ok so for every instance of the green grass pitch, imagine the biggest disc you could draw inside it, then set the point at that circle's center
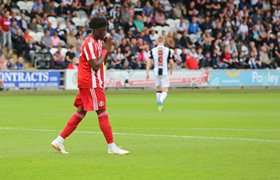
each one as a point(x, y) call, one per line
point(202, 134)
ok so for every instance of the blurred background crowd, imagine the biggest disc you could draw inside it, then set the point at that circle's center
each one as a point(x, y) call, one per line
point(217, 34)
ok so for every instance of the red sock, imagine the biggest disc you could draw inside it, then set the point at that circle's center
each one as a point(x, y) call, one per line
point(72, 124)
point(105, 126)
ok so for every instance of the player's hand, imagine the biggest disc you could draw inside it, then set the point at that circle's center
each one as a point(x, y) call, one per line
point(147, 77)
point(108, 44)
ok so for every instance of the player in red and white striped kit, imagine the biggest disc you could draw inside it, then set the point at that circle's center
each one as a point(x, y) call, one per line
point(91, 82)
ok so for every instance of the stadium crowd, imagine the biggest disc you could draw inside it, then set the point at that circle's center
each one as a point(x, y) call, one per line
point(219, 34)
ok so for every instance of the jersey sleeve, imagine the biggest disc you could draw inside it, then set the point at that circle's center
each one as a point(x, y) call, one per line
point(89, 51)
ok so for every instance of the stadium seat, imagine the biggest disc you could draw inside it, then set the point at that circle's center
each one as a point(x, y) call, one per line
point(20, 3)
point(53, 50)
point(158, 29)
point(29, 5)
point(179, 51)
point(42, 60)
point(64, 51)
point(82, 14)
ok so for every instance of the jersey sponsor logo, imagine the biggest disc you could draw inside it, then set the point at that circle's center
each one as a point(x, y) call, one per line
point(101, 103)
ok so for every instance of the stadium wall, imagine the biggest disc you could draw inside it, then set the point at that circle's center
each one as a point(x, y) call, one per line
point(67, 79)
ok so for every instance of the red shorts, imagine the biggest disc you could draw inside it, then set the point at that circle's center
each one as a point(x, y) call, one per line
point(91, 99)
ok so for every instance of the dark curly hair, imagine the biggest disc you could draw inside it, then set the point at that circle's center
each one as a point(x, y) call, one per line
point(97, 22)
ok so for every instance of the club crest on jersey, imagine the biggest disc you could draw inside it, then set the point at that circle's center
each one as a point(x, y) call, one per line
point(101, 103)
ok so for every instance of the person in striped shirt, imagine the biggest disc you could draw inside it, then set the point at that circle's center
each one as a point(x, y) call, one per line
point(161, 58)
point(91, 97)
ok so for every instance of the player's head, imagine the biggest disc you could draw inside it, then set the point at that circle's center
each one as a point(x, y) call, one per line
point(99, 27)
point(160, 40)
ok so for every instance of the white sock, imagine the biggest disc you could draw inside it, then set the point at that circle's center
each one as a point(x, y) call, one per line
point(59, 139)
point(158, 94)
point(163, 96)
point(112, 146)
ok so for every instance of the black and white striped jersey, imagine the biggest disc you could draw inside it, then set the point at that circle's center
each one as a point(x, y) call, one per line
point(160, 56)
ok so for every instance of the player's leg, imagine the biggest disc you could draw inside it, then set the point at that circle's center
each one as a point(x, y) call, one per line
point(164, 82)
point(159, 91)
point(71, 125)
point(73, 122)
point(104, 123)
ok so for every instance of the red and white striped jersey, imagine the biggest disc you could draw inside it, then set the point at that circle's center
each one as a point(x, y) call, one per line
point(88, 78)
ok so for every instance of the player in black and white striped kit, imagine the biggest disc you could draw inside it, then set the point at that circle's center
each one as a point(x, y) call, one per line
point(162, 59)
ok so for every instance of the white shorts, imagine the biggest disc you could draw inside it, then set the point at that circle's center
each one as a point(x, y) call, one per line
point(162, 81)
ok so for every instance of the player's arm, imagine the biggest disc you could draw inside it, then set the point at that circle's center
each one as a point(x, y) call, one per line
point(170, 62)
point(106, 48)
point(148, 65)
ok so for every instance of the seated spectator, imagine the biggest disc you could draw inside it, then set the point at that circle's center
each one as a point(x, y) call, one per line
point(31, 48)
point(19, 42)
point(10, 64)
point(141, 58)
point(169, 41)
point(243, 30)
point(27, 36)
point(38, 8)
point(55, 40)
point(191, 61)
point(192, 12)
point(139, 24)
point(185, 40)
point(160, 18)
point(194, 26)
point(23, 22)
point(181, 26)
point(253, 62)
point(70, 55)
point(33, 25)
point(58, 59)
point(264, 58)
point(46, 41)
point(117, 59)
point(14, 28)
point(176, 12)
point(148, 9)
point(206, 61)
point(19, 64)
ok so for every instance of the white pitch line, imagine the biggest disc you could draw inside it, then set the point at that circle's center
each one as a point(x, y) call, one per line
point(211, 129)
point(149, 135)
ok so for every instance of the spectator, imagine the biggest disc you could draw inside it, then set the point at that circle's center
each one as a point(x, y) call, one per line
point(176, 12)
point(19, 64)
point(33, 25)
point(70, 56)
point(264, 58)
point(71, 38)
point(160, 18)
point(46, 41)
point(139, 24)
point(181, 26)
point(58, 59)
point(191, 60)
point(55, 40)
point(6, 31)
point(10, 64)
point(19, 42)
point(38, 8)
point(148, 9)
